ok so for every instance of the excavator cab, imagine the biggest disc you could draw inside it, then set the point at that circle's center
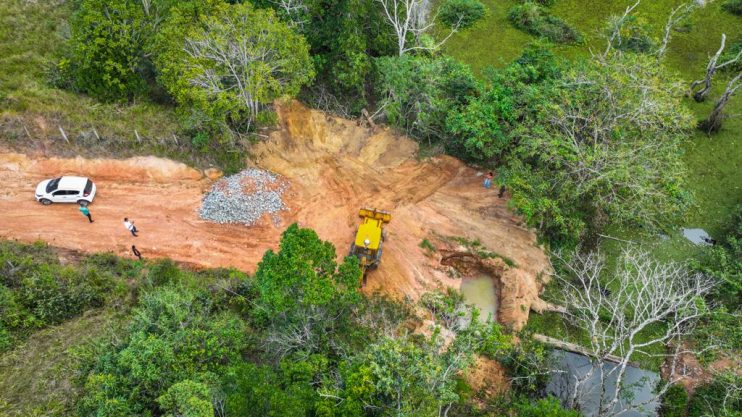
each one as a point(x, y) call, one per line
point(370, 238)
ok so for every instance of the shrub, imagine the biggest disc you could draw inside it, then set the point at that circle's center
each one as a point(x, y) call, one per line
point(733, 6)
point(107, 42)
point(674, 402)
point(717, 398)
point(724, 261)
point(545, 407)
point(633, 33)
point(419, 92)
point(461, 13)
point(177, 339)
point(36, 291)
point(534, 19)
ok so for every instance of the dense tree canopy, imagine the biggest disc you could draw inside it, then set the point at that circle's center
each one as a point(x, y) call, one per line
point(418, 92)
point(600, 140)
point(234, 62)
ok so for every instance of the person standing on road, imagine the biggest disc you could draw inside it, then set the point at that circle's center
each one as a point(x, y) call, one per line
point(129, 225)
point(86, 212)
point(488, 180)
point(136, 252)
point(502, 191)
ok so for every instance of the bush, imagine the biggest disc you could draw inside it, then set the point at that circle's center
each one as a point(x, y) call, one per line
point(733, 6)
point(107, 42)
point(717, 398)
point(461, 13)
point(724, 262)
point(178, 339)
point(674, 402)
point(37, 291)
point(545, 407)
point(634, 35)
point(534, 19)
point(419, 92)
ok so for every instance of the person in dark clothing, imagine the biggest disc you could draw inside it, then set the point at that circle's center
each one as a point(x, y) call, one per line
point(136, 252)
point(86, 212)
point(502, 191)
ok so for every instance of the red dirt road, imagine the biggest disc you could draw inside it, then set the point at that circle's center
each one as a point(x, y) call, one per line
point(333, 167)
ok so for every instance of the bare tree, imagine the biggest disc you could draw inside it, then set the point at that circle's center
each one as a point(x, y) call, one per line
point(711, 69)
point(713, 123)
point(617, 311)
point(410, 21)
point(678, 14)
point(243, 58)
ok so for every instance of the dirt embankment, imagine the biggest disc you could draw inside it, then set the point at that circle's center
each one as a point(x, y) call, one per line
point(334, 167)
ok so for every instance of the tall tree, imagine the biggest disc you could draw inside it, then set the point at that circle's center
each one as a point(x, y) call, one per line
point(412, 24)
point(236, 62)
point(603, 144)
point(305, 298)
point(619, 311)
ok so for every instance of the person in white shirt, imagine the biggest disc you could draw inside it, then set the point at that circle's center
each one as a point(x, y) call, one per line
point(129, 225)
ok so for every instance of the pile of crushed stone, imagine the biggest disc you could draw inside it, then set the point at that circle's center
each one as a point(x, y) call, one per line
point(244, 198)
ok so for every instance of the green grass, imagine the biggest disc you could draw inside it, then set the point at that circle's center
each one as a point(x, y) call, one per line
point(37, 376)
point(32, 39)
point(492, 41)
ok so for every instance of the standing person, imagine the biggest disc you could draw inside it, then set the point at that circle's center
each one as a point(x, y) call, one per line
point(136, 252)
point(488, 180)
point(86, 212)
point(502, 191)
point(129, 225)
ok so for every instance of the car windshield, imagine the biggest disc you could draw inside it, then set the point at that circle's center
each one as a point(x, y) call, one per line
point(88, 187)
point(53, 184)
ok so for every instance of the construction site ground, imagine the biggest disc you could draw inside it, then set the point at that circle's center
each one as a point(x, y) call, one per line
point(333, 167)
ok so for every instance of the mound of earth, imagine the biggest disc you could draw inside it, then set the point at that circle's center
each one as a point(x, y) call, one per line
point(332, 167)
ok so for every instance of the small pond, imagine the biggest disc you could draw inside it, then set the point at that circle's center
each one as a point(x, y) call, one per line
point(480, 291)
point(639, 382)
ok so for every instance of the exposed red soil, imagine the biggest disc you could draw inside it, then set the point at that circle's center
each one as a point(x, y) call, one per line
point(333, 167)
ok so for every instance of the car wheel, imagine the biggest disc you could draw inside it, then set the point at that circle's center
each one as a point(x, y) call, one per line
point(83, 203)
point(45, 201)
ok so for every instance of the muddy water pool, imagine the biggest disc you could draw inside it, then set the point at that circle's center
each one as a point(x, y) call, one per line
point(480, 291)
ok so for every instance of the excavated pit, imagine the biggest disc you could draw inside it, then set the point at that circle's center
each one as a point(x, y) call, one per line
point(332, 167)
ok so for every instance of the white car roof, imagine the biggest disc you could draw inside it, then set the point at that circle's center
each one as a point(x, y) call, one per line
point(72, 183)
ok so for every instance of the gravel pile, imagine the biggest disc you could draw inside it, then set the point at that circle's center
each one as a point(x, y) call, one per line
point(244, 198)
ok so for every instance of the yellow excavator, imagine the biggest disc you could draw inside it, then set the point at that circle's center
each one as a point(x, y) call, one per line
point(370, 238)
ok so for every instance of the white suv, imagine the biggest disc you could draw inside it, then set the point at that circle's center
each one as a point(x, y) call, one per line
point(78, 190)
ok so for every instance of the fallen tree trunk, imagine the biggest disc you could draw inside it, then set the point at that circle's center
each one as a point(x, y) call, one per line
point(575, 348)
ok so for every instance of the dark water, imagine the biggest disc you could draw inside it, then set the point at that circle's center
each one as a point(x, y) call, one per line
point(638, 385)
